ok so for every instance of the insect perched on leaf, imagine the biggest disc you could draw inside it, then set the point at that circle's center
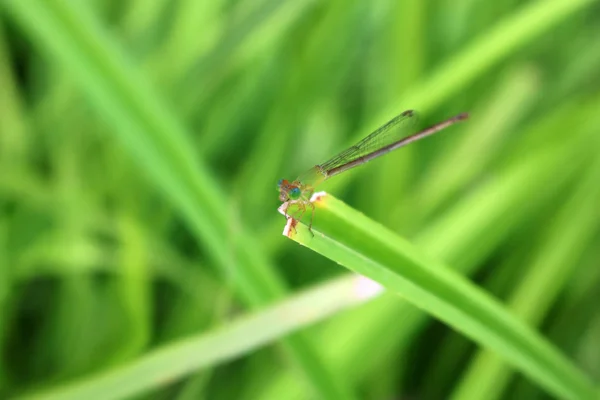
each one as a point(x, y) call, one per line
point(396, 133)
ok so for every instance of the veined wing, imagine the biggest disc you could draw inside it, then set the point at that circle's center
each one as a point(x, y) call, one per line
point(391, 132)
point(395, 134)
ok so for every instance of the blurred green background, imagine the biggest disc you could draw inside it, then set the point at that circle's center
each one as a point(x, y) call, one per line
point(140, 146)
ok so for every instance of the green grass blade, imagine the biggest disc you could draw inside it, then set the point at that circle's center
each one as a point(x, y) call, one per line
point(352, 240)
point(176, 360)
point(569, 236)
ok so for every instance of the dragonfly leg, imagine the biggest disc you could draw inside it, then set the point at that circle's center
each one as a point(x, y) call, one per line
point(302, 210)
point(297, 215)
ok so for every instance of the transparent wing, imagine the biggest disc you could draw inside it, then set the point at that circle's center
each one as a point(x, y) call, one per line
point(394, 130)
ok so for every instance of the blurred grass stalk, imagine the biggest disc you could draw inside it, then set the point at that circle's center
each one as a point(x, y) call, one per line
point(13, 141)
point(178, 359)
point(161, 146)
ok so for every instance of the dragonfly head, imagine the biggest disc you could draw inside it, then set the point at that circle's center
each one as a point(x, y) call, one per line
point(288, 191)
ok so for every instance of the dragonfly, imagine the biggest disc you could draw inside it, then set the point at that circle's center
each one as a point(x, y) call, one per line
point(396, 133)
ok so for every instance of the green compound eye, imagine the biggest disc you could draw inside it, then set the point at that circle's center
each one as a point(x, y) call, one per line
point(295, 193)
point(279, 182)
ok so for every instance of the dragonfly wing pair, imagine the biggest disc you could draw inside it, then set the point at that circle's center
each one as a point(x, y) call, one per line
point(393, 131)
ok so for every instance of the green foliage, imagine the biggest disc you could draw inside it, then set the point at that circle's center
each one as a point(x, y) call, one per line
point(139, 146)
